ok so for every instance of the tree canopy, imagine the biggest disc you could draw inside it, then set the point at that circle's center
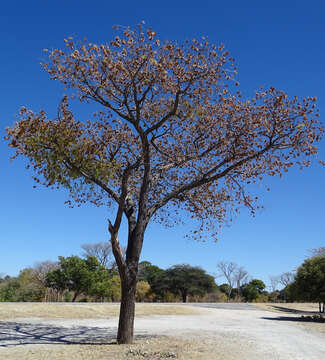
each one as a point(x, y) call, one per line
point(187, 280)
point(309, 283)
point(86, 276)
point(253, 289)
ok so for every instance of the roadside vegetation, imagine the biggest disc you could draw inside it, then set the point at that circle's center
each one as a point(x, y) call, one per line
point(93, 277)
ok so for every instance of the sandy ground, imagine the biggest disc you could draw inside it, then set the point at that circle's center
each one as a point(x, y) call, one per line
point(224, 332)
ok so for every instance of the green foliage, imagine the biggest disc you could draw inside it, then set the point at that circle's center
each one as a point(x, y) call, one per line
point(10, 290)
point(188, 280)
point(309, 284)
point(224, 288)
point(155, 278)
point(143, 291)
point(114, 288)
point(82, 276)
point(25, 287)
point(253, 290)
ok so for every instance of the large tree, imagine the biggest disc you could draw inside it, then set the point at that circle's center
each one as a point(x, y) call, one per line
point(187, 280)
point(172, 134)
point(82, 276)
point(309, 283)
point(253, 289)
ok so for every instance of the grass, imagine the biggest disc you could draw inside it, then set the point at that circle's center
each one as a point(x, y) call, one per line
point(292, 308)
point(154, 348)
point(87, 311)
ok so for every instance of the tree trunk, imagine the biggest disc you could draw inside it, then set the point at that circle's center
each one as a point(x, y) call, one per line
point(75, 296)
point(128, 270)
point(127, 309)
point(184, 296)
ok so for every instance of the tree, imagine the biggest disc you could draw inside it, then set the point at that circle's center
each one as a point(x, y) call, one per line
point(149, 272)
point(170, 135)
point(227, 269)
point(240, 277)
point(30, 287)
point(286, 278)
point(24, 287)
point(114, 288)
point(188, 280)
point(318, 251)
point(274, 281)
point(253, 289)
point(143, 291)
point(10, 290)
point(78, 275)
point(40, 271)
point(309, 284)
point(102, 251)
point(42, 268)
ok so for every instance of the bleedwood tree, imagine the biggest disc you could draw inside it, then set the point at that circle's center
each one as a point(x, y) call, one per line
point(170, 135)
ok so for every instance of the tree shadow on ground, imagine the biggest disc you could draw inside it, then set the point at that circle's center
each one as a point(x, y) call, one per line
point(292, 311)
point(14, 333)
point(294, 318)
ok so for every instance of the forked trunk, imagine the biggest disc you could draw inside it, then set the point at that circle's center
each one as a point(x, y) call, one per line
point(128, 270)
point(127, 310)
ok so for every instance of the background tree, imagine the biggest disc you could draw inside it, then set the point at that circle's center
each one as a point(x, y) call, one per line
point(253, 289)
point(40, 271)
point(227, 269)
point(114, 288)
point(309, 284)
point(188, 280)
point(24, 287)
point(85, 276)
point(102, 251)
point(171, 135)
point(274, 282)
point(143, 291)
point(30, 288)
point(9, 290)
point(241, 278)
point(155, 278)
point(318, 251)
point(286, 278)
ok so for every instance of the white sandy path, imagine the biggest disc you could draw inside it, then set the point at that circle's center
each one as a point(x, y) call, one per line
point(250, 332)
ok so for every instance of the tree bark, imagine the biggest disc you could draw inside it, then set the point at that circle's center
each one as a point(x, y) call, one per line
point(127, 309)
point(184, 296)
point(75, 296)
point(128, 271)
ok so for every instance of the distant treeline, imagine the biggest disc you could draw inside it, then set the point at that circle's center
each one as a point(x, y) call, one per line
point(93, 277)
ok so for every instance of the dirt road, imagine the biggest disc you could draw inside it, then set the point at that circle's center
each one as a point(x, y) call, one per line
point(224, 332)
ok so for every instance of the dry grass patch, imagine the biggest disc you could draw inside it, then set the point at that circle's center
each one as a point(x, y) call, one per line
point(289, 308)
point(156, 348)
point(297, 311)
point(87, 311)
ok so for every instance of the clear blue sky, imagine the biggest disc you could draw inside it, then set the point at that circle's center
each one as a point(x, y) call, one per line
point(275, 43)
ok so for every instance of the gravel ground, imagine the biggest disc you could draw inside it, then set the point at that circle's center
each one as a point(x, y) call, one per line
point(224, 333)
